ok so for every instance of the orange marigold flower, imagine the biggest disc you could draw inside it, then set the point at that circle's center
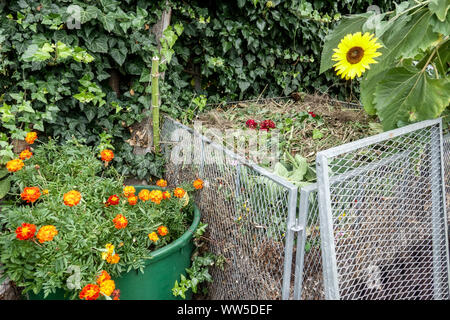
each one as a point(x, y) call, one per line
point(103, 277)
point(107, 155)
point(166, 195)
point(72, 198)
point(26, 231)
point(14, 165)
point(179, 192)
point(120, 221)
point(162, 230)
point(153, 236)
point(30, 194)
point(128, 191)
point(90, 292)
point(161, 183)
point(25, 154)
point(113, 259)
point(132, 200)
point(198, 184)
point(144, 195)
point(46, 233)
point(107, 287)
point(113, 200)
point(31, 136)
point(156, 196)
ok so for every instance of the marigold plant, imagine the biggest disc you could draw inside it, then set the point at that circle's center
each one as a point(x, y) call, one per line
point(113, 200)
point(31, 137)
point(25, 154)
point(120, 222)
point(161, 183)
point(26, 231)
point(90, 292)
point(14, 165)
point(132, 200)
point(63, 235)
point(179, 192)
point(46, 233)
point(128, 191)
point(30, 194)
point(72, 198)
point(107, 155)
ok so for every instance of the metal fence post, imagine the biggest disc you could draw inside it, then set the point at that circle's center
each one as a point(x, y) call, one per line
point(326, 231)
point(289, 242)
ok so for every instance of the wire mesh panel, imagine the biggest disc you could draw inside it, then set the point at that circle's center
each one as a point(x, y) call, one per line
point(382, 216)
point(249, 213)
point(446, 145)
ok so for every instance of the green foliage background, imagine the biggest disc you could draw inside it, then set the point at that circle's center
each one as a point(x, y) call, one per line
point(227, 50)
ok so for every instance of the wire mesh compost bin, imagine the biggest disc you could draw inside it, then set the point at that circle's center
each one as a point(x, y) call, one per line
point(373, 227)
point(383, 223)
point(250, 214)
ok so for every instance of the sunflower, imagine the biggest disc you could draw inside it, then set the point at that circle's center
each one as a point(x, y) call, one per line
point(354, 54)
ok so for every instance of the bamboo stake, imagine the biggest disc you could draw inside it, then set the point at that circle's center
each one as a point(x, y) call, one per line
point(155, 102)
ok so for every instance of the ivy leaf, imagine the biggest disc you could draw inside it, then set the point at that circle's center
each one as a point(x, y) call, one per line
point(99, 44)
point(405, 95)
point(88, 13)
point(348, 24)
point(118, 55)
point(108, 21)
point(439, 8)
point(63, 51)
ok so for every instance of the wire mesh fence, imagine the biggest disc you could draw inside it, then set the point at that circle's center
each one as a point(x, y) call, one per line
point(249, 213)
point(383, 224)
point(446, 145)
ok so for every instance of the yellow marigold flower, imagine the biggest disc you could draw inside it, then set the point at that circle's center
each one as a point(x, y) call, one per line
point(25, 154)
point(198, 184)
point(107, 155)
point(109, 251)
point(30, 194)
point(31, 136)
point(128, 191)
point(179, 192)
point(153, 236)
point(144, 195)
point(354, 54)
point(107, 287)
point(156, 196)
point(161, 183)
point(46, 233)
point(14, 165)
point(72, 198)
point(103, 277)
point(45, 191)
point(162, 231)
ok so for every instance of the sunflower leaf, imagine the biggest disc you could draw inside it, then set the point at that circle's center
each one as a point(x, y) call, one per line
point(408, 95)
point(405, 38)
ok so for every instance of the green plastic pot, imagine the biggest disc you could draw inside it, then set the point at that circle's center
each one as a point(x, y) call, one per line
point(160, 272)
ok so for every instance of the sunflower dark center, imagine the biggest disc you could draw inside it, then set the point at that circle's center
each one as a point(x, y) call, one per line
point(355, 54)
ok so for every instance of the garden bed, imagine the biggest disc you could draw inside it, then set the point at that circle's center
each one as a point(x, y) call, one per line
point(334, 123)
